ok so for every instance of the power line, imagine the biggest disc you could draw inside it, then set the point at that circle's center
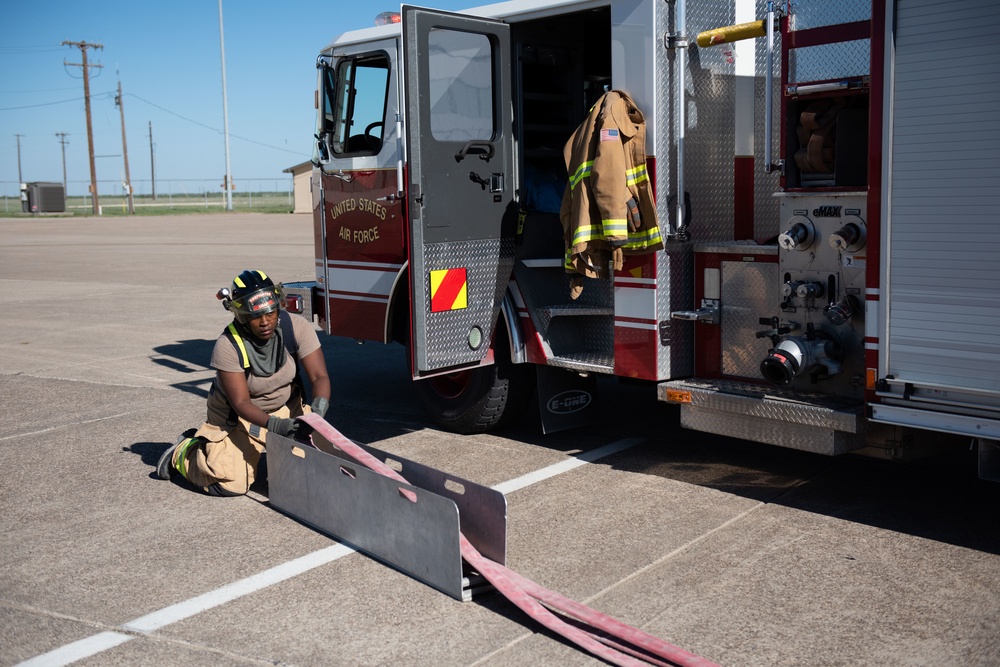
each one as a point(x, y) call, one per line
point(36, 90)
point(209, 127)
point(13, 50)
point(44, 104)
point(109, 93)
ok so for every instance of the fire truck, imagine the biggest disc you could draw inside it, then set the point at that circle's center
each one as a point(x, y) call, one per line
point(826, 187)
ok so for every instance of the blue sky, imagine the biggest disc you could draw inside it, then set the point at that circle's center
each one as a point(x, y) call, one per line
point(167, 56)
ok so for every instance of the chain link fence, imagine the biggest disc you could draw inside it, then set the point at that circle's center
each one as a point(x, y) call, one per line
point(264, 195)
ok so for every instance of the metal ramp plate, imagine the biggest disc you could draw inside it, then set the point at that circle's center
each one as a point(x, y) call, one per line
point(414, 529)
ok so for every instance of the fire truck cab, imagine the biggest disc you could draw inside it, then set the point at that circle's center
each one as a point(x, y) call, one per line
point(823, 176)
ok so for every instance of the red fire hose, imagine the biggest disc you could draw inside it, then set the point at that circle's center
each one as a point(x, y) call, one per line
point(609, 639)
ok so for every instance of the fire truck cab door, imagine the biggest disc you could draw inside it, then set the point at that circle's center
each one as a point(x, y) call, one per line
point(460, 184)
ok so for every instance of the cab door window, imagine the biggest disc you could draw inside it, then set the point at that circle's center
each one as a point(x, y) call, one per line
point(461, 85)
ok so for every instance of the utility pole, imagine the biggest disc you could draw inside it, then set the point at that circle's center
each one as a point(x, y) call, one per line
point(152, 164)
point(83, 46)
point(228, 185)
point(128, 178)
point(62, 140)
point(19, 178)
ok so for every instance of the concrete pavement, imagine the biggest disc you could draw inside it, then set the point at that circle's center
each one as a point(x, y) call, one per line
point(742, 553)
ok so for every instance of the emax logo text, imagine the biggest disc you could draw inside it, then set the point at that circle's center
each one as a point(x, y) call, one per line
point(827, 211)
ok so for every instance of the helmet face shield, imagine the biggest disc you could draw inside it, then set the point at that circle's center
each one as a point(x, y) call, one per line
point(253, 295)
point(255, 304)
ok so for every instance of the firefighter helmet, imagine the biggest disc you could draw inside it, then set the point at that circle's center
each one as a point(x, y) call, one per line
point(253, 294)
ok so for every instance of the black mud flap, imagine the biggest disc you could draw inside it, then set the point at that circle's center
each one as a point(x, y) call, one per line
point(566, 399)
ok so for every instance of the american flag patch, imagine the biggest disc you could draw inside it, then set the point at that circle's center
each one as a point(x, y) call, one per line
point(609, 135)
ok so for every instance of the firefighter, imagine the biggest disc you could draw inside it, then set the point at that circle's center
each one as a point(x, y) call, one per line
point(255, 391)
point(607, 207)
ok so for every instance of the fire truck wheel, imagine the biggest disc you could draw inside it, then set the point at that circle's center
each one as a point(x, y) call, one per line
point(480, 399)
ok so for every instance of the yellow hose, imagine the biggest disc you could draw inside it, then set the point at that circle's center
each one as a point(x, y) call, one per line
point(731, 33)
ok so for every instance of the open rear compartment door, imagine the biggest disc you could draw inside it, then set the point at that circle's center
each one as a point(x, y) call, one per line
point(461, 184)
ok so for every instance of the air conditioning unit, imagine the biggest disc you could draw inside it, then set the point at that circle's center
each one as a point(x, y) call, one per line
point(43, 198)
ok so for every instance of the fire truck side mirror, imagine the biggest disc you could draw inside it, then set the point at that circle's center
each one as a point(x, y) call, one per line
point(322, 148)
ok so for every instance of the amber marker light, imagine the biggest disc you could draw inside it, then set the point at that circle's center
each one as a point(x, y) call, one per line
point(678, 396)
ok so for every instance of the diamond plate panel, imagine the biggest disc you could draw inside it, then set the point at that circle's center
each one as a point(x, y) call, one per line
point(813, 423)
point(709, 126)
point(488, 263)
point(708, 169)
point(806, 14)
point(829, 61)
point(815, 439)
point(747, 294)
point(768, 402)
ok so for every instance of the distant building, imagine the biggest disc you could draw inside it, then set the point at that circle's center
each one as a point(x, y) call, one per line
point(302, 186)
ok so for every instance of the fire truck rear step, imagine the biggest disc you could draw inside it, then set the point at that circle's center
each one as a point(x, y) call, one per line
point(809, 422)
point(574, 334)
point(590, 362)
point(578, 336)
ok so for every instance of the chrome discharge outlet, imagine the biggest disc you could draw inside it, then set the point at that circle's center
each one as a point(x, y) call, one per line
point(816, 354)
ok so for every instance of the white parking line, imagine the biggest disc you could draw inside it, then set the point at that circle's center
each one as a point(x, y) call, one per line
point(79, 650)
point(566, 466)
point(144, 625)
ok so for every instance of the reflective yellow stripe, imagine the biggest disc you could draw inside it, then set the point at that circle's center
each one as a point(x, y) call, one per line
point(239, 344)
point(585, 234)
point(644, 238)
point(181, 465)
point(636, 175)
point(582, 172)
point(240, 283)
point(636, 240)
point(633, 176)
point(615, 227)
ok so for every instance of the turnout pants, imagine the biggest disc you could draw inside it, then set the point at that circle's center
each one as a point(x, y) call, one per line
point(223, 460)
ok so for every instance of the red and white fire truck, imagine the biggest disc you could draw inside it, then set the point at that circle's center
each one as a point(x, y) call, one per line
point(827, 188)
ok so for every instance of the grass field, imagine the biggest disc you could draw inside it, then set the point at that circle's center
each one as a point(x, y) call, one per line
point(256, 202)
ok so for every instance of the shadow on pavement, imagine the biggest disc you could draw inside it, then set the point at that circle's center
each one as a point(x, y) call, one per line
point(195, 355)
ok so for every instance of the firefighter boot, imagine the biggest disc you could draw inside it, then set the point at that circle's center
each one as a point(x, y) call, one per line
point(165, 467)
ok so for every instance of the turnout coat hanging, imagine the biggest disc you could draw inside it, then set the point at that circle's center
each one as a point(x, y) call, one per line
point(608, 208)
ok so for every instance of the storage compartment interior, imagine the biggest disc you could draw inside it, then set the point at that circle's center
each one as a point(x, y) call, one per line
point(563, 65)
point(827, 141)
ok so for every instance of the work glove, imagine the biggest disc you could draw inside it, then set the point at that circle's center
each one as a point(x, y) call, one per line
point(320, 405)
point(282, 426)
point(634, 219)
point(617, 259)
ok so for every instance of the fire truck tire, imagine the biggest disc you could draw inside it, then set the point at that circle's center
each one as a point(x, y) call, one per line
point(480, 399)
